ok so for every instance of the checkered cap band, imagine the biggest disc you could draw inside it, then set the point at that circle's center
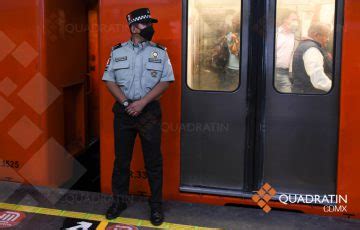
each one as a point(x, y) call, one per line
point(139, 18)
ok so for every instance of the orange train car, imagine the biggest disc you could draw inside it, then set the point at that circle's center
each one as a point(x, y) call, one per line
point(220, 145)
point(43, 91)
point(221, 141)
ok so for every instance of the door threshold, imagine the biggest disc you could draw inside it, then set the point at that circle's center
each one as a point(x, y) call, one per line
point(216, 191)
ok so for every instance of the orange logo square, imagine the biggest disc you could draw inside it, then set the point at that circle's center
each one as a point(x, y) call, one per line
point(263, 196)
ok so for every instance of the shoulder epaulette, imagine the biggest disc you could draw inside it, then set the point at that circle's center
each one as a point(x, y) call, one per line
point(158, 45)
point(117, 46)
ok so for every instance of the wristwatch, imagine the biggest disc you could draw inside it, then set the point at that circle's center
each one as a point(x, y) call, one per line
point(126, 103)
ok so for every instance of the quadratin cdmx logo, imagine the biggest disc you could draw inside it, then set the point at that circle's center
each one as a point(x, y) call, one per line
point(331, 202)
point(262, 197)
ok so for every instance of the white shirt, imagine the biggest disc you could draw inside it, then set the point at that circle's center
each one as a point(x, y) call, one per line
point(285, 43)
point(314, 66)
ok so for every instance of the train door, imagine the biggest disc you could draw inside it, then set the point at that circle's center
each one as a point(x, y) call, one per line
point(243, 122)
point(214, 105)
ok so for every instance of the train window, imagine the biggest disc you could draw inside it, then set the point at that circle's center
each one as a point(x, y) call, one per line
point(304, 46)
point(213, 45)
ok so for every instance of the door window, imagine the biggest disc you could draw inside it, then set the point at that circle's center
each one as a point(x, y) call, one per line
point(213, 45)
point(304, 46)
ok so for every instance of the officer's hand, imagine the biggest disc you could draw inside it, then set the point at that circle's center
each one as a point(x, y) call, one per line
point(135, 108)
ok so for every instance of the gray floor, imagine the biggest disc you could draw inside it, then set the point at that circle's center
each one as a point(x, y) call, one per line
point(176, 212)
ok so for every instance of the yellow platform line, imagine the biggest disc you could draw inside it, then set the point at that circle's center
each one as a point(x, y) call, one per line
point(102, 225)
point(96, 217)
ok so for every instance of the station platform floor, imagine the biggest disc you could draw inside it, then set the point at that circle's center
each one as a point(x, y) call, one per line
point(28, 207)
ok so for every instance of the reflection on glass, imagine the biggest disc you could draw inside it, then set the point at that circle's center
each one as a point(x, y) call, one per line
point(213, 49)
point(304, 46)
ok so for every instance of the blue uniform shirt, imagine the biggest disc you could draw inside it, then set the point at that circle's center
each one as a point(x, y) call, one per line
point(138, 68)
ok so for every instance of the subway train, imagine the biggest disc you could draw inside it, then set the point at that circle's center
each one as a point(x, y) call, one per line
point(224, 138)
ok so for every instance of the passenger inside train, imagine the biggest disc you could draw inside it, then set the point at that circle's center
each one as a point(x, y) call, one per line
point(214, 50)
point(304, 38)
point(226, 55)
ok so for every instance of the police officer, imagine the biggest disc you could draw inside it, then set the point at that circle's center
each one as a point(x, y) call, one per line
point(137, 73)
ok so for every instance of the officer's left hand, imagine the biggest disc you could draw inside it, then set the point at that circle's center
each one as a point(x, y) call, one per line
point(135, 108)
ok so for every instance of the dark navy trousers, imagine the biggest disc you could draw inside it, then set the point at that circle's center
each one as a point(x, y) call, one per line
point(148, 125)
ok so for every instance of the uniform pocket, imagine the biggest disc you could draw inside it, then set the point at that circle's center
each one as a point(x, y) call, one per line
point(122, 72)
point(121, 65)
point(154, 66)
point(152, 74)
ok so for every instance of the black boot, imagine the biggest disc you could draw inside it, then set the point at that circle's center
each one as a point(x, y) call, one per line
point(156, 216)
point(115, 210)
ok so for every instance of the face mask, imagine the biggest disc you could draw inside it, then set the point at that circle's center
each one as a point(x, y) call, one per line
point(147, 33)
point(236, 27)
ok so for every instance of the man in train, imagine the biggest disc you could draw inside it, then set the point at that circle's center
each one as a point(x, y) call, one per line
point(137, 73)
point(226, 55)
point(312, 64)
point(285, 45)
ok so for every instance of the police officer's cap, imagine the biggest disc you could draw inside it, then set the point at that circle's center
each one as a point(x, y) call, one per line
point(140, 15)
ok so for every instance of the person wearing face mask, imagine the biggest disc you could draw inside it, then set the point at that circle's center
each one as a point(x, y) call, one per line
point(137, 73)
point(233, 44)
point(312, 64)
point(226, 55)
point(285, 45)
